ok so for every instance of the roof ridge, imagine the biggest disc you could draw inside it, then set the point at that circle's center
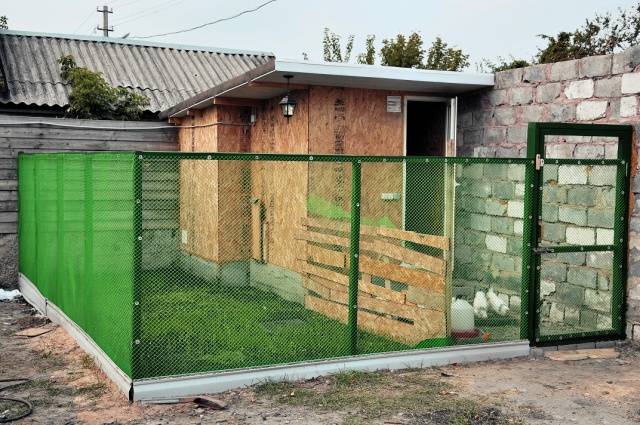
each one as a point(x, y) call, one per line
point(134, 42)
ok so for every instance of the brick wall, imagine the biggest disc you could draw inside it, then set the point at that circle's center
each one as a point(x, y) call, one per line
point(577, 204)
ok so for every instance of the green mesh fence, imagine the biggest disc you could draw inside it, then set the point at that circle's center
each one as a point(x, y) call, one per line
point(179, 263)
point(76, 241)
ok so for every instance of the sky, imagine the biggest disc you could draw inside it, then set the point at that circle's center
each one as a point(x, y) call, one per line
point(482, 28)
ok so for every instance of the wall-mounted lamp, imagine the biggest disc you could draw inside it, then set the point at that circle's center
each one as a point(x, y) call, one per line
point(287, 103)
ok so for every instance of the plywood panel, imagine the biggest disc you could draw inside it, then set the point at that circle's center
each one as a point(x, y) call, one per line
point(401, 274)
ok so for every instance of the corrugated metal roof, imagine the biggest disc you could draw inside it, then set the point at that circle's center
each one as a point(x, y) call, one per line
point(165, 73)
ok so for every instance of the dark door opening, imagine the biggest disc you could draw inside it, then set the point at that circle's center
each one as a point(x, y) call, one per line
point(426, 135)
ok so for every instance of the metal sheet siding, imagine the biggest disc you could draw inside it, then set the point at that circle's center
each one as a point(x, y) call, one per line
point(165, 75)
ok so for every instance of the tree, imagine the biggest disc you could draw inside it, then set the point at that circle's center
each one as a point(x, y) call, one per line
point(369, 55)
point(444, 58)
point(405, 52)
point(604, 34)
point(4, 23)
point(93, 98)
point(331, 47)
point(501, 64)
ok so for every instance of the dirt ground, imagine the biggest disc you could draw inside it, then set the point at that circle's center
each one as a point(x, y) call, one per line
point(66, 388)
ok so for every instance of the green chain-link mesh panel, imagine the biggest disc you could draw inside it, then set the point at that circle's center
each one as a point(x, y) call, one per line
point(76, 241)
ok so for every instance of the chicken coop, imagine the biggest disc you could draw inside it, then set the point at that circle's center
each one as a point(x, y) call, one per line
point(187, 270)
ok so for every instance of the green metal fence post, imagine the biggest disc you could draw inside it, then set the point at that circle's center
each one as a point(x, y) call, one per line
point(137, 260)
point(354, 249)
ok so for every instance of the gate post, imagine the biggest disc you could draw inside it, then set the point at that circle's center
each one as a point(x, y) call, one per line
point(354, 249)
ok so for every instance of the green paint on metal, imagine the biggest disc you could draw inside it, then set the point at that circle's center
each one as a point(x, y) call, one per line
point(354, 249)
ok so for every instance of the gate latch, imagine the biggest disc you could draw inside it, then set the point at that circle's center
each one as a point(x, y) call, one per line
point(543, 250)
point(539, 162)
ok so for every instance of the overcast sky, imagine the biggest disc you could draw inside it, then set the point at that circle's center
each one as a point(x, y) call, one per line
point(482, 28)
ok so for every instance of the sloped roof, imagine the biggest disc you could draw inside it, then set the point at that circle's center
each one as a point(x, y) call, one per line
point(166, 74)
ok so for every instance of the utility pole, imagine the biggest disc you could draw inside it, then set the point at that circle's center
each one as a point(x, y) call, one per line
point(105, 21)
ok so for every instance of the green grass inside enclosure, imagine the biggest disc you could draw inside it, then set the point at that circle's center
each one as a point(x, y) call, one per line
point(190, 325)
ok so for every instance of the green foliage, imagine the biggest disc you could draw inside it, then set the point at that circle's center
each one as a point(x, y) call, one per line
point(93, 98)
point(407, 52)
point(444, 58)
point(501, 64)
point(331, 47)
point(369, 55)
point(604, 34)
point(4, 23)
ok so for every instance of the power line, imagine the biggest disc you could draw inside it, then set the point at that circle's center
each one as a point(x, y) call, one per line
point(143, 13)
point(212, 22)
point(83, 22)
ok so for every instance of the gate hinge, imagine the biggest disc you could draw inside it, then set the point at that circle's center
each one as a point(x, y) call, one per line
point(539, 162)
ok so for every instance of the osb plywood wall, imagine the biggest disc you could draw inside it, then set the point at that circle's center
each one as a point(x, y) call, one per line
point(326, 121)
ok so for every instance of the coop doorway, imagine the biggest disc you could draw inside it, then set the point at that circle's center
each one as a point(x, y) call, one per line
point(430, 128)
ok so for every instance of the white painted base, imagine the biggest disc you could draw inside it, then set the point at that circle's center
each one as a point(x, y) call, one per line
point(33, 296)
point(173, 388)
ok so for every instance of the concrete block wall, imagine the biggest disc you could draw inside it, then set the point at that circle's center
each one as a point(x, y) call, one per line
point(601, 89)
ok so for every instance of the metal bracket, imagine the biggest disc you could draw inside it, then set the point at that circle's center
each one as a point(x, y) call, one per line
point(539, 162)
point(543, 250)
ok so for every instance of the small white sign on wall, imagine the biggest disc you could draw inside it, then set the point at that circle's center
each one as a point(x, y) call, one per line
point(394, 104)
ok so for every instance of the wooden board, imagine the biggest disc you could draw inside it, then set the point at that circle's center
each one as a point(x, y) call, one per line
point(317, 254)
point(415, 258)
point(401, 274)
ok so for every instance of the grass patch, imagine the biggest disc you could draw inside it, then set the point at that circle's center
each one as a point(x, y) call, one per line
point(416, 397)
point(93, 390)
point(191, 325)
point(87, 361)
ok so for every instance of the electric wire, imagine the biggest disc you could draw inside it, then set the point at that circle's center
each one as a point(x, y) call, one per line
point(84, 22)
point(244, 12)
point(27, 403)
point(144, 13)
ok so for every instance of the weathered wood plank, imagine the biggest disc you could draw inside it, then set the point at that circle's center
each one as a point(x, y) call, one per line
point(8, 227)
point(415, 258)
point(305, 267)
point(322, 238)
point(401, 274)
point(324, 256)
point(8, 217)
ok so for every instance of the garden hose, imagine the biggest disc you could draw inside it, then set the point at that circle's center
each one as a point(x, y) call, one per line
point(26, 403)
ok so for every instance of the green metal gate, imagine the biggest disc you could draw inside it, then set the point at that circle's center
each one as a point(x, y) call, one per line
point(579, 245)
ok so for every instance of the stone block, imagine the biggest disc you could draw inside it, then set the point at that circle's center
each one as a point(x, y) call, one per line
point(535, 73)
point(581, 89)
point(472, 137)
point(549, 213)
point(556, 314)
point(495, 171)
point(626, 61)
point(604, 236)
point(532, 113)
point(588, 318)
point(515, 209)
point(597, 300)
point(589, 151)
point(515, 302)
point(516, 172)
point(631, 83)
point(521, 95)
point(546, 93)
point(572, 215)
point(581, 236)
point(495, 207)
point(554, 232)
point(572, 174)
point(555, 272)
point(602, 175)
point(595, 66)
point(509, 78)
point(503, 225)
point(591, 110)
point(519, 190)
point(498, 97)
point(496, 243)
point(507, 152)
point(561, 113)
point(472, 204)
point(628, 106)
point(547, 288)
point(518, 227)
point(505, 115)
point(573, 258)
point(514, 246)
point(608, 87)
point(604, 322)
point(567, 70)
point(495, 135)
point(482, 118)
point(480, 188)
point(503, 263)
point(600, 260)
point(550, 173)
point(572, 316)
point(517, 134)
point(600, 218)
point(582, 196)
point(465, 119)
point(560, 150)
point(503, 190)
point(472, 171)
point(582, 276)
point(611, 151)
point(570, 294)
point(480, 222)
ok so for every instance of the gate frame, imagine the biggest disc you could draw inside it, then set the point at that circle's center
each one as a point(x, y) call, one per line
point(536, 133)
